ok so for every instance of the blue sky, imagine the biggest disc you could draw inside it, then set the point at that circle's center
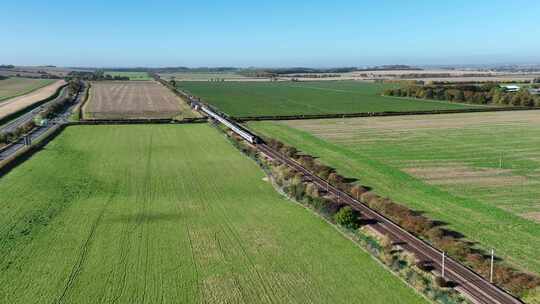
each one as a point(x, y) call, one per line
point(274, 33)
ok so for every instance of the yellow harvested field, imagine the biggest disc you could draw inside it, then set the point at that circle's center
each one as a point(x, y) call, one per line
point(134, 100)
point(16, 104)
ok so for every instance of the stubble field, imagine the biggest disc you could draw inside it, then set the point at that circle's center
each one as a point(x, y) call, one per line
point(16, 86)
point(480, 173)
point(132, 100)
point(19, 103)
point(151, 214)
point(297, 98)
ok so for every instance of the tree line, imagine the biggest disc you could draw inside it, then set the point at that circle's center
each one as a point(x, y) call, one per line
point(489, 93)
point(97, 75)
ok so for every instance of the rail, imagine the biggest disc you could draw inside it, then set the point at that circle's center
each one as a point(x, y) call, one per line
point(470, 284)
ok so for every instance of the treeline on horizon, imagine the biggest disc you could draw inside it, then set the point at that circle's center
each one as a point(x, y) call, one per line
point(96, 76)
point(261, 71)
point(489, 93)
point(272, 72)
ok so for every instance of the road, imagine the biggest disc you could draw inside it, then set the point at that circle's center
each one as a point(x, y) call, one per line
point(37, 132)
point(469, 283)
point(26, 117)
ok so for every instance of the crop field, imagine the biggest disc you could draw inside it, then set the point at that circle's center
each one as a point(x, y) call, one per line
point(131, 75)
point(132, 99)
point(150, 214)
point(16, 104)
point(297, 98)
point(15, 86)
point(478, 172)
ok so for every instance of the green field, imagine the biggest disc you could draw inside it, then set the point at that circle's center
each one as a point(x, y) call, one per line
point(131, 75)
point(152, 214)
point(297, 98)
point(16, 86)
point(478, 172)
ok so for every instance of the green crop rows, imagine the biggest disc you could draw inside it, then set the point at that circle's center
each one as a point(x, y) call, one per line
point(169, 214)
point(477, 172)
point(297, 98)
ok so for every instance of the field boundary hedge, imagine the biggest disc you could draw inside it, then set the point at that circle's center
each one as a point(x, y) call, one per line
point(377, 114)
point(141, 121)
point(80, 107)
point(16, 114)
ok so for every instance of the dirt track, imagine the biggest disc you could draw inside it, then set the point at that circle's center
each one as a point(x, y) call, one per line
point(15, 104)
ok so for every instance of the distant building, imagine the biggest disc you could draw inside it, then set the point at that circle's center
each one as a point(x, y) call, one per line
point(511, 88)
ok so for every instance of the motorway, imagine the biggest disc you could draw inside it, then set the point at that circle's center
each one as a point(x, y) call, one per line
point(28, 116)
point(472, 285)
point(12, 149)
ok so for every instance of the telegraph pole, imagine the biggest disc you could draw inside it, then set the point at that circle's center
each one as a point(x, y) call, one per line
point(443, 258)
point(491, 267)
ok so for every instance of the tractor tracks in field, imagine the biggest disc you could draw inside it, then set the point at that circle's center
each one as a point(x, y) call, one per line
point(85, 248)
point(119, 285)
point(229, 231)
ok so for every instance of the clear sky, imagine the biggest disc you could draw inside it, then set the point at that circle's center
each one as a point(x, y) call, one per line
point(273, 33)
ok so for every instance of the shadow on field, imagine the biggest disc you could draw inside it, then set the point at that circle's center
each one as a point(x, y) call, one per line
point(147, 217)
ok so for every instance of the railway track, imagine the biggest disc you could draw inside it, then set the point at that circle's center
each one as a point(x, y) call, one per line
point(469, 283)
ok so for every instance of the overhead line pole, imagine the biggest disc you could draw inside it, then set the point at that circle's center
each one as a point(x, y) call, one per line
point(491, 267)
point(443, 258)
